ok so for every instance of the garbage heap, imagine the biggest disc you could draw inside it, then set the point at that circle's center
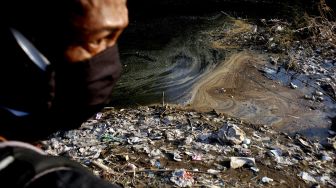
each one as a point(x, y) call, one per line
point(169, 146)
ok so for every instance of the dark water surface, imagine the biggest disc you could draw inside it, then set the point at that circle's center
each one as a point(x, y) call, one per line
point(165, 55)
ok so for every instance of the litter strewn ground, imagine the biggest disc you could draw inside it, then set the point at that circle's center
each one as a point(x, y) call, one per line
point(170, 146)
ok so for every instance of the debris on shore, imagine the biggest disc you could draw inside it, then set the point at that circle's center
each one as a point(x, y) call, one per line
point(169, 146)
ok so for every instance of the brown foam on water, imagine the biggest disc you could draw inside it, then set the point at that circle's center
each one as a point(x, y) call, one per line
point(237, 88)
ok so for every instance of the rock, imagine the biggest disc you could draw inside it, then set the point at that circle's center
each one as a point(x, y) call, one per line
point(231, 133)
point(237, 162)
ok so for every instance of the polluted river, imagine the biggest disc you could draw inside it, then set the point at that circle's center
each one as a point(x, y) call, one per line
point(192, 62)
point(213, 100)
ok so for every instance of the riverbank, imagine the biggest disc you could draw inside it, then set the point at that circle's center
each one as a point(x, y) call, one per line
point(171, 146)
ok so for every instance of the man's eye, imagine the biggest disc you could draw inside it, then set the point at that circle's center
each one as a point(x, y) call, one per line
point(95, 43)
point(112, 34)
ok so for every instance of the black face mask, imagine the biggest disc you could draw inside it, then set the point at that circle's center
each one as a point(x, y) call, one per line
point(87, 83)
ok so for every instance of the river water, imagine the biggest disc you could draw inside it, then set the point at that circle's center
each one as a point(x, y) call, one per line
point(180, 60)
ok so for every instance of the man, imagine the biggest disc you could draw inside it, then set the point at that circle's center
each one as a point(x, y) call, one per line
point(59, 64)
point(79, 39)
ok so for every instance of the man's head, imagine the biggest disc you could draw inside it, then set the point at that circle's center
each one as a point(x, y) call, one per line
point(78, 29)
point(95, 25)
point(72, 89)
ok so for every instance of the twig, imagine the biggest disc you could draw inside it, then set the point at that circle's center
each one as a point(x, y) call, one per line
point(226, 14)
point(301, 29)
point(105, 168)
point(122, 154)
point(149, 170)
point(294, 117)
point(167, 170)
point(255, 177)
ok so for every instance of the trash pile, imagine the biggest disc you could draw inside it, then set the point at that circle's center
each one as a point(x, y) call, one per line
point(169, 146)
point(311, 55)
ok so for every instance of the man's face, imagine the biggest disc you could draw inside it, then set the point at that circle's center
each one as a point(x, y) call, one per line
point(97, 27)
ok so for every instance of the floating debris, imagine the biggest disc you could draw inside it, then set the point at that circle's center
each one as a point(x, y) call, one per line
point(293, 86)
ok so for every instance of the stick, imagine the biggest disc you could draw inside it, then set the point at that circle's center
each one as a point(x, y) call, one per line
point(164, 170)
point(104, 167)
